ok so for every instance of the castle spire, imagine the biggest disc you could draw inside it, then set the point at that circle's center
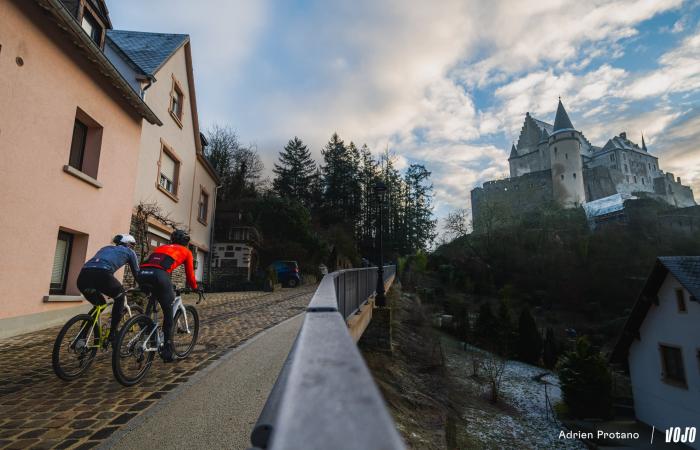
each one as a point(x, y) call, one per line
point(644, 146)
point(562, 121)
point(513, 152)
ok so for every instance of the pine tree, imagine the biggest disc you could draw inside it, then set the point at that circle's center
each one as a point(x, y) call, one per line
point(529, 342)
point(550, 351)
point(485, 325)
point(295, 172)
point(340, 179)
point(505, 333)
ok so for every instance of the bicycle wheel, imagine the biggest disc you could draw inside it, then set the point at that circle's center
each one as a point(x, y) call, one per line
point(130, 362)
point(72, 354)
point(184, 340)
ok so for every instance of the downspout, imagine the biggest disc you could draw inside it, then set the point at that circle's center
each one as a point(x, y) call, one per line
point(211, 234)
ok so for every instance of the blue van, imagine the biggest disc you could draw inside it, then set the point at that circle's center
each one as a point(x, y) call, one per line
point(287, 273)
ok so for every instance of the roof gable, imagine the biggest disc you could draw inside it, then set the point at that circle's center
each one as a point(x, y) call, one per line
point(685, 269)
point(147, 51)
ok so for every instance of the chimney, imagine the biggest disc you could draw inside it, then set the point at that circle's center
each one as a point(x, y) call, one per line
point(623, 135)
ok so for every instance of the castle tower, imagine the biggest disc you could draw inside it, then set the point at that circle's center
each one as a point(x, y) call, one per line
point(566, 163)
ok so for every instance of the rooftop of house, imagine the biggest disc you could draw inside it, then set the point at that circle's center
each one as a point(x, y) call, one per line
point(147, 51)
point(685, 269)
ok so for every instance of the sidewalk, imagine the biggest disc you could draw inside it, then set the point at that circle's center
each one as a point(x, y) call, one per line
point(219, 408)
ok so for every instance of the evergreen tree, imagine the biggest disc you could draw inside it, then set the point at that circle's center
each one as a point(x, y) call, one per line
point(339, 183)
point(485, 325)
point(419, 224)
point(586, 382)
point(550, 351)
point(505, 341)
point(295, 172)
point(529, 342)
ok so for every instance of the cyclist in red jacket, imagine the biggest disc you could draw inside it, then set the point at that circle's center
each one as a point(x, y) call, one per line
point(155, 277)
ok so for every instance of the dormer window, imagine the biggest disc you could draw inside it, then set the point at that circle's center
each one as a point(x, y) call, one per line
point(92, 28)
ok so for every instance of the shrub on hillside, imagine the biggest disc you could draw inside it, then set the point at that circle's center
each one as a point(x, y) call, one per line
point(586, 382)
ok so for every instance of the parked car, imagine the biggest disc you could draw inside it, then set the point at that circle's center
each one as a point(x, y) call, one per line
point(287, 273)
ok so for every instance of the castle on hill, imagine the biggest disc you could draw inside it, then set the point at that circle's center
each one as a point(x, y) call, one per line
point(557, 164)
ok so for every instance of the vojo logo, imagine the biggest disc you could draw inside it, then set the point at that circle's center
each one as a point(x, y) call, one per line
point(678, 434)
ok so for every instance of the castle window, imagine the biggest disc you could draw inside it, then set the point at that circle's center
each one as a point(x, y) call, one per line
point(566, 155)
point(628, 178)
point(612, 157)
point(643, 180)
point(574, 175)
point(627, 169)
point(635, 178)
point(562, 176)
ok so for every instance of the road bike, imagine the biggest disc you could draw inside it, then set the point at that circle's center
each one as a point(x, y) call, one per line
point(141, 337)
point(78, 341)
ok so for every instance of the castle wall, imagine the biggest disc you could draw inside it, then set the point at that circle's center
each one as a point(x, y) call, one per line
point(600, 182)
point(531, 162)
point(673, 192)
point(498, 201)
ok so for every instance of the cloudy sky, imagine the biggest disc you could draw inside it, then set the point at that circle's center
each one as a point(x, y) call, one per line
point(444, 83)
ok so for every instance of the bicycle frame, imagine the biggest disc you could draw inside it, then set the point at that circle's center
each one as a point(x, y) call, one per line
point(96, 314)
point(177, 306)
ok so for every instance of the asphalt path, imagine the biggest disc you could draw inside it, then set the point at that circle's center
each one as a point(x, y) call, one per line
point(219, 406)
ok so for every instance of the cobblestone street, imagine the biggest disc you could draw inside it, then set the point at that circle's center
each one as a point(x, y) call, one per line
point(38, 410)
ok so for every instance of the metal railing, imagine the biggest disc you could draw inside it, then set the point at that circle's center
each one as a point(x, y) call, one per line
point(324, 396)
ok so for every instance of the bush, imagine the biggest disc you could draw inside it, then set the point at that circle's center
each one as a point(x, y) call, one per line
point(586, 382)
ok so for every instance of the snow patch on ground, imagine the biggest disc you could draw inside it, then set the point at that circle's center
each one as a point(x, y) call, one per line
point(529, 422)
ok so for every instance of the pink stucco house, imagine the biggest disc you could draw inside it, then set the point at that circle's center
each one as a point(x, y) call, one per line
point(70, 137)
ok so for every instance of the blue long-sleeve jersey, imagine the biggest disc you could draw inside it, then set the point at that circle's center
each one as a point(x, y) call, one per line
point(112, 258)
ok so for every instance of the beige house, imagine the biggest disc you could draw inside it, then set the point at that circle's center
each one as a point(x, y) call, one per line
point(173, 173)
point(70, 135)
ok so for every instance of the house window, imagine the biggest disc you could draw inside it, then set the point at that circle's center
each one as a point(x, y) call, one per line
point(61, 262)
point(169, 172)
point(680, 301)
point(203, 209)
point(673, 370)
point(85, 144)
point(92, 28)
point(177, 100)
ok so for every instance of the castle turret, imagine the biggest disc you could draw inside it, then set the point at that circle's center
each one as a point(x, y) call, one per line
point(567, 166)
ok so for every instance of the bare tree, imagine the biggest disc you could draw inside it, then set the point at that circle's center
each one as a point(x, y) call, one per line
point(144, 213)
point(494, 367)
point(457, 223)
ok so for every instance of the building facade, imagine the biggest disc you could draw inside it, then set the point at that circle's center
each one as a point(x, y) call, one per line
point(661, 346)
point(557, 164)
point(70, 139)
point(174, 179)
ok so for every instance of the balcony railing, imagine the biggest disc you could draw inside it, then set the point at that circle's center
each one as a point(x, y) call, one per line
point(324, 396)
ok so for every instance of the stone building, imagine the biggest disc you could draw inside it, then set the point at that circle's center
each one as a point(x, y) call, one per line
point(556, 164)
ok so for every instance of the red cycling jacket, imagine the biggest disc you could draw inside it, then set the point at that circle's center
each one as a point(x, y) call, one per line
point(168, 257)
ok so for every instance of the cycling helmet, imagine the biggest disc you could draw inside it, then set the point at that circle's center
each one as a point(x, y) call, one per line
point(124, 239)
point(180, 237)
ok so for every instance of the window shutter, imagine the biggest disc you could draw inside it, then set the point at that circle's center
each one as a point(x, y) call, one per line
point(167, 167)
point(59, 261)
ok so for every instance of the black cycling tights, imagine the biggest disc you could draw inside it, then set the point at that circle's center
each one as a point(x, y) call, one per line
point(157, 281)
point(92, 283)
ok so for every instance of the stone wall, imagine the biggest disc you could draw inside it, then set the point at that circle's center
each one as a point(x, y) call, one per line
point(500, 200)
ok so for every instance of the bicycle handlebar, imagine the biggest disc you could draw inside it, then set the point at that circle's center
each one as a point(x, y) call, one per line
point(200, 293)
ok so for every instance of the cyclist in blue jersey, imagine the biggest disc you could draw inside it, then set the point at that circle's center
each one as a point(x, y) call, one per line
point(96, 278)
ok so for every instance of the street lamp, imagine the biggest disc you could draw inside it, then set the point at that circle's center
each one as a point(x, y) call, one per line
point(380, 192)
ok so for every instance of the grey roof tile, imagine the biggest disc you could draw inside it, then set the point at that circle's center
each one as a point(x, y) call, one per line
point(148, 51)
point(686, 269)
